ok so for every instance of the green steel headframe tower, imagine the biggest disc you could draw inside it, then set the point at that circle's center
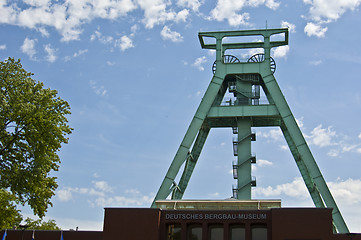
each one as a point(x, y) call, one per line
point(244, 80)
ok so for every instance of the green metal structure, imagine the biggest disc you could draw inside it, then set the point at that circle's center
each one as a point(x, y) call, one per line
point(244, 80)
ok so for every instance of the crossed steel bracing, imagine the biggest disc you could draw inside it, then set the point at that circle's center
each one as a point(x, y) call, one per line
point(243, 79)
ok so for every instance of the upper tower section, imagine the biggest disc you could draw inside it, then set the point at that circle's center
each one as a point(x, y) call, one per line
point(227, 40)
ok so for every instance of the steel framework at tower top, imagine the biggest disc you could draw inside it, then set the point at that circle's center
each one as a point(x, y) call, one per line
point(244, 80)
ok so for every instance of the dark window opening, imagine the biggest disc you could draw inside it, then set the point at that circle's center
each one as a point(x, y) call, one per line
point(194, 232)
point(259, 232)
point(215, 232)
point(174, 232)
point(237, 232)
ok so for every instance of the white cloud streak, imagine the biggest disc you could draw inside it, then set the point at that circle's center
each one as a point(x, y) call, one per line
point(124, 43)
point(290, 26)
point(315, 29)
point(192, 4)
point(99, 90)
point(168, 34)
point(322, 12)
point(76, 54)
point(296, 189)
point(101, 194)
point(50, 53)
point(69, 16)
point(264, 163)
point(280, 52)
point(230, 10)
point(347, 191)
point(156, 12)
point(28, 47)
point(322, 137)
point(198, 63)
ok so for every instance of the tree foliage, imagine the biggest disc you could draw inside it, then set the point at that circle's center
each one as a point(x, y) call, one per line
point(9, 215)
point(41, 225)
point(33, 125)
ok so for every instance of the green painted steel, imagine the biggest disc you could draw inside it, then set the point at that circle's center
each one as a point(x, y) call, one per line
point(244, 79)
point(191, 162)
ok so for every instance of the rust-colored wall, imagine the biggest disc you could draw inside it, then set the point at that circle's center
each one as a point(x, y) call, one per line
point(302, 223)
point(131, 224)
point(49, 235)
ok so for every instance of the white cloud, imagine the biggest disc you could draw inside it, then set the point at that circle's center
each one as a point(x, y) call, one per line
point(313, 29)
point(322, 137)
point(290, 26)
point(156, 12)
point(263, 163)
point(2, 47)
point(103, 186)
point(296, 189)
point(99, 189)
point(28, 47)
point(99, 90)
point(64, 195)
point(182, 16)
point(280, 52)
point(134, 28)
point(102, 39)
point(8, 13)
point(124, 43)
point(168, 34)
point(50, 57)
point(75, 55)
point(230, 10)
point(274, 134)
point(66, 17)
point(271, 4)
point(316, 62)
point(327, 11)
point(333, 153)
point(131, 197)
point(359, 136)
point(37, 3)
point(109, 63)
point(347, 192)
point(192, 4)
point(43, 32)
point(323, 12)
point(249, 53)
point(284, 147)
point(199, 62)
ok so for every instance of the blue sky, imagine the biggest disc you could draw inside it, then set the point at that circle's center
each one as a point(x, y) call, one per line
point(134, 74)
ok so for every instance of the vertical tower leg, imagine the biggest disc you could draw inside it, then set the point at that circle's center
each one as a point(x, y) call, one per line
point(243, 161)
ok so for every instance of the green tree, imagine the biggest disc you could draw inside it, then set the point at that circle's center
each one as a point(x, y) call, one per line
point(33, 125)
point(41, 225)
point(9, 215)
